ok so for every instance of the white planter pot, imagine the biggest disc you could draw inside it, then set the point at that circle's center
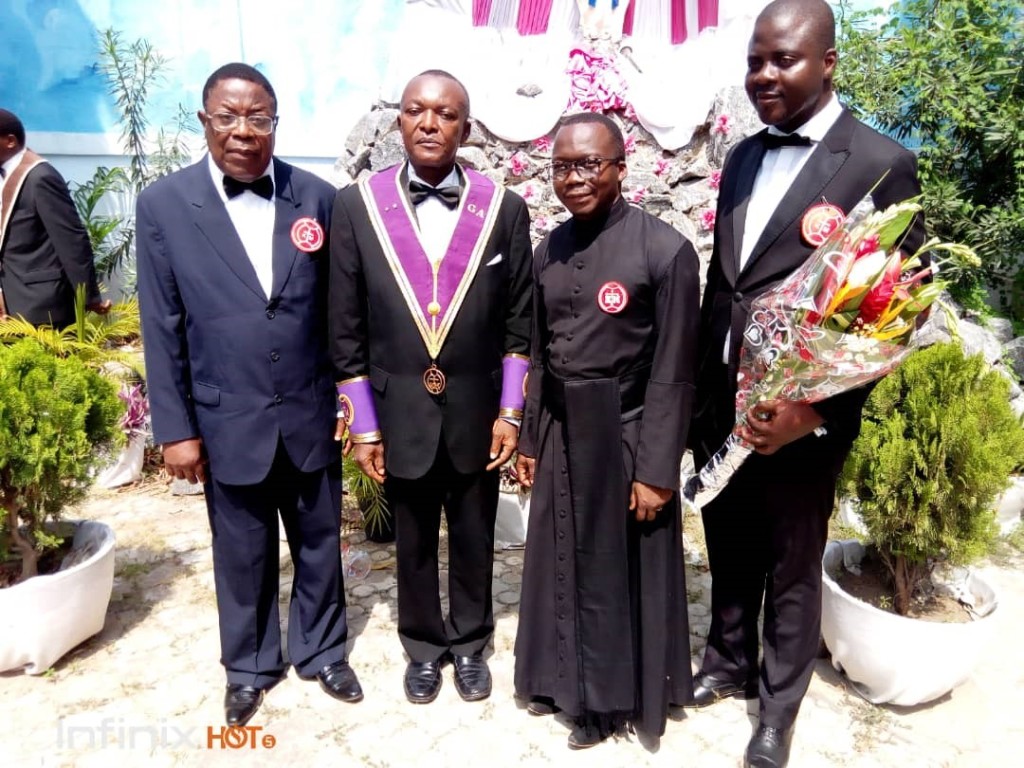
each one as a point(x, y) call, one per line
point(892, 659)
point(510, 524)
point(45, 617)
point(127, 467)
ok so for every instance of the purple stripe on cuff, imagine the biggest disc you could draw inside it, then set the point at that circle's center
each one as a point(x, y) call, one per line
point(513, 372)
point(355, 401)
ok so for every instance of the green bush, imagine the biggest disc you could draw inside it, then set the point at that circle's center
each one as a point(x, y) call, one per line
point(55, 415)
point(950, 75)
point(937, 446)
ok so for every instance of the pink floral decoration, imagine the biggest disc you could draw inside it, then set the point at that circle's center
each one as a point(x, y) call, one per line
point(707, 219)
point(596, 85)
point(518, 163)
point(661, 167)
point(722, 124)
point(636, 195)
point(715, 181)
point(530, 193)
point(630, 145)
point(137, 409)
point(542, 145)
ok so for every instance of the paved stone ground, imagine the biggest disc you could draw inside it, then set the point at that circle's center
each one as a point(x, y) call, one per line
point(153, 678)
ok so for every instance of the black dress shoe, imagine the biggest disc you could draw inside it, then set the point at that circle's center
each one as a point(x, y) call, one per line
point(241, 703)
point(590, 730)
point(540, 706)
point(768, 748)
point(708, 689)
point(422, 681)
point(472, 677)
point(340, 681)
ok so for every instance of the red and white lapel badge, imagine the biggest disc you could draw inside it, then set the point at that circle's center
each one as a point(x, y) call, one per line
point(612, 298)
point(307, 234)
point(819, 222)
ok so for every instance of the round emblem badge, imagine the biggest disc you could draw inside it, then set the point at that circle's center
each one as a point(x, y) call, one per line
point(346, 410)
point(307, 234)
point(819, 222)
point(612, 298)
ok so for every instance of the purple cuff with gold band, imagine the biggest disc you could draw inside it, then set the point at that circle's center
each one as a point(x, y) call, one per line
point(355, 406)
point(513, 385)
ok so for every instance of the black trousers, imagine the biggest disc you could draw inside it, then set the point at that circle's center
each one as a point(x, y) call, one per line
point(470, 504)
point(243, 520)
point(765, 534)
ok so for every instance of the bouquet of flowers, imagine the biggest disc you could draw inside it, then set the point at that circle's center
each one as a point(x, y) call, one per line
point(136, 410)
point(844, 318)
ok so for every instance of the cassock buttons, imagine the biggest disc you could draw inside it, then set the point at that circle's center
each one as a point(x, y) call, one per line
point(579, 265)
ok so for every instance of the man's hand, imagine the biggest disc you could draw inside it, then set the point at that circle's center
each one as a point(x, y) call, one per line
point(184, 460)
point(100, 307)
point(339, 435)
point(648, 500)
point(774, 423)
point(524, 470)
point(504, 439)
point(370, 458)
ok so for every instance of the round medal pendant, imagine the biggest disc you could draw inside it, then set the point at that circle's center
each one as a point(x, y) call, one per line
point(434, 380)
point(612, 298)
point(307, 234)
point(819, 222)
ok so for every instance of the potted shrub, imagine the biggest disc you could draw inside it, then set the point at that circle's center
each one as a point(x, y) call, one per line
point(56, 417)
point(937, 446)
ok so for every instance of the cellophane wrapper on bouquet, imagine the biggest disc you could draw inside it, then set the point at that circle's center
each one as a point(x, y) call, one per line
point(846, 317)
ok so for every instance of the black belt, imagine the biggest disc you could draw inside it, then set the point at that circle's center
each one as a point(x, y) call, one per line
point(632, 391)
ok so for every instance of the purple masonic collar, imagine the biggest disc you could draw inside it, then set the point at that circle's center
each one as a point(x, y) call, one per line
point(395, 225)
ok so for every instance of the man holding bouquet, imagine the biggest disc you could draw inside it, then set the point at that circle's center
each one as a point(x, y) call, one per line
point(782, 191)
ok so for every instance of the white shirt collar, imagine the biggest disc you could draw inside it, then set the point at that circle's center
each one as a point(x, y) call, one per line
point(13, 163)
point(451, 180)
point(218, 176)
point(816, 128)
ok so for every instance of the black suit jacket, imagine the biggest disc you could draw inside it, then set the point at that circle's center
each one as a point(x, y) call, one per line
point(373, 334)
point(45, 252)
point(848, 163)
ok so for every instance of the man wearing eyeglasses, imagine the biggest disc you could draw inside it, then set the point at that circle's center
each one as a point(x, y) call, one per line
point(430, 322)
point(232, 265)
point(603, 634)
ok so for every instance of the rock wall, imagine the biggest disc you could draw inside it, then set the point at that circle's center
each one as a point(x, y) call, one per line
point(679, 186)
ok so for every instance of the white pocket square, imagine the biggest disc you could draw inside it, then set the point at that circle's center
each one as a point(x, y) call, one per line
point(493, 261)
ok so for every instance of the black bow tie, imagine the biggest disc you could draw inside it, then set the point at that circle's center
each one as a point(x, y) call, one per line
point(263, 186)
point(775, 141)
point(418, 192)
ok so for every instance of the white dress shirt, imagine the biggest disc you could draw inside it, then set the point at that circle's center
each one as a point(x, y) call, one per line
point(436, 220)
point(253, 218)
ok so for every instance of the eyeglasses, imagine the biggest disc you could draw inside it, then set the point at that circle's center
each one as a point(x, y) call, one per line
point(587, 168)
point(261, 125)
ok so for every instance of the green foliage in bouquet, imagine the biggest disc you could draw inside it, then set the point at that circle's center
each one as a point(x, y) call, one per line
point(55, 413)
point(937, 446)
point(949, 74)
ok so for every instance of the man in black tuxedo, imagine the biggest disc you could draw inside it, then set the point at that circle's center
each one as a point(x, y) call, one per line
point(44, 249)
point(232, 260)
point(430, 321)
point(766, 531)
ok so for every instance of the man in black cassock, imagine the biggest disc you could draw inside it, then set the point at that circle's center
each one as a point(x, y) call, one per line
point(603, 632)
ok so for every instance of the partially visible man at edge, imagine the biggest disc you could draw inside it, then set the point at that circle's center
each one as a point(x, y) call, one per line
point(232, 261)
point(766, 531)
point(45, 252)
point(430, 322)
point(603, 632)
